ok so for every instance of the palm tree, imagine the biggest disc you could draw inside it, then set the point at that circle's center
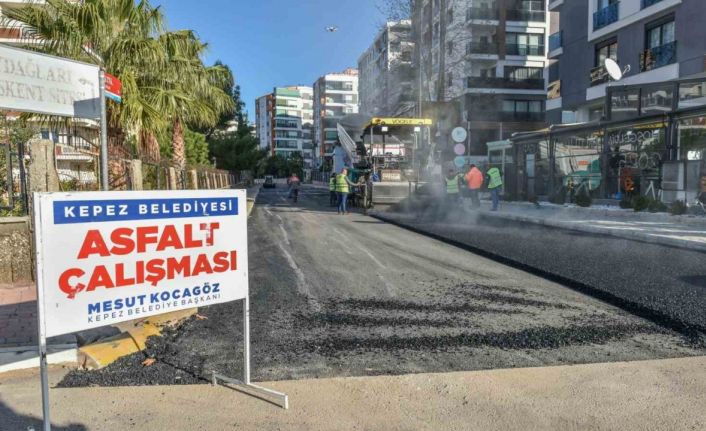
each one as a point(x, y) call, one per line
point(164, 80)
point(190, 93)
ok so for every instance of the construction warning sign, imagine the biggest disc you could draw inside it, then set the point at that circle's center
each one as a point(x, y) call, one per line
point(108, 257)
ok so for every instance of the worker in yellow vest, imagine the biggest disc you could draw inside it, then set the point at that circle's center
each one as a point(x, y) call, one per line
point(453, 186)
point(333, 197)
point(495, 182)
point(343, 188)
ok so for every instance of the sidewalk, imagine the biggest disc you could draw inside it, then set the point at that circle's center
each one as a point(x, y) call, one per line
point(649, 395)
point(677, 231)
point(18, 315)
point(18, 331)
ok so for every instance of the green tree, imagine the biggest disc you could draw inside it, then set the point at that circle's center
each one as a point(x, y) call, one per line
point(236, 152)
point(196, 148)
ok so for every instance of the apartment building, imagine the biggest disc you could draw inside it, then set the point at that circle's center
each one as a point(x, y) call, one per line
point(660, 40)
point(335, 96)
point(486, 59)
point(386, 80)
point(284, 122)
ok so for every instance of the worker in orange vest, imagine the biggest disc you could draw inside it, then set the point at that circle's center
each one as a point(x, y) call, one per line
point(474, 181)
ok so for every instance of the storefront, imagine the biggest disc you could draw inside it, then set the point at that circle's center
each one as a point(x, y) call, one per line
point(653, 143)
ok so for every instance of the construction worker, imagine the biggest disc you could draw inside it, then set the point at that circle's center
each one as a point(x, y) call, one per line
point(474, 181)
point(343, 188)
point(495, 181)
point(452, 185)
point(333, 197)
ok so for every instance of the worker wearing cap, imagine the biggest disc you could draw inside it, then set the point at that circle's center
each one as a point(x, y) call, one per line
point(495, 181)
point(333, 197)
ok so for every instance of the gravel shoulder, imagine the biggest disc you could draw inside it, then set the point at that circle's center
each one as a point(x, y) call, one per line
point(339, 296)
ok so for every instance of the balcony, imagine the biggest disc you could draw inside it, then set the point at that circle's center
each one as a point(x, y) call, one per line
point(648, 3)
point(515, 49)
point(499, 82)
point(481, 48)
point(658, 56)
point(482, 13)
point(526, 15)
point(605, 16)
point(555, 41)
point(598, 76)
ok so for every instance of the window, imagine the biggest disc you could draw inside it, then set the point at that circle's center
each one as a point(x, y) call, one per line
point(450, 15)
point(450, 80)
point(525, 43)
point(450, 47)
point(660, 34)
point(604, 50)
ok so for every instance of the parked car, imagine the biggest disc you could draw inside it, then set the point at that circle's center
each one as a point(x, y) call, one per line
point(269, 182)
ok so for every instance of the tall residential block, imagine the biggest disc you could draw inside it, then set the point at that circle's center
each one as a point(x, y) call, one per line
point(386, 80)
point(335, 96)
point(660, 40)
point(284, 121)
point(485, 59)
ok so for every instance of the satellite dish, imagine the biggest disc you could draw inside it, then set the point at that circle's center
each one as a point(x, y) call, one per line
point(613, 69)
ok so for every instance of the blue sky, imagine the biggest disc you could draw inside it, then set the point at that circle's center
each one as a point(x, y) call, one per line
point(271, 43)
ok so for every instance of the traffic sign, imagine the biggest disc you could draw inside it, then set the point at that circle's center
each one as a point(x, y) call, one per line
point(459, 135)
point(113, 88)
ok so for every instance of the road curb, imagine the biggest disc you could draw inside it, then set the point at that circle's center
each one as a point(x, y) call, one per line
point(631, 235)
point(132, 339)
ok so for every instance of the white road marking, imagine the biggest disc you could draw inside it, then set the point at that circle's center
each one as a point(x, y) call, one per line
point(285, 235)
point(380, 264)
point(302, 286)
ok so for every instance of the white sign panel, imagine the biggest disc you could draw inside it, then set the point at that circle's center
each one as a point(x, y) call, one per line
point(32, 82)
point(108, 257)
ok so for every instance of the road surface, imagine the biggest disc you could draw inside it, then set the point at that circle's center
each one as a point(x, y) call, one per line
point(350, 295)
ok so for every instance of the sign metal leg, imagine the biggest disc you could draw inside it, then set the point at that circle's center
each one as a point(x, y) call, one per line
point(249, 388)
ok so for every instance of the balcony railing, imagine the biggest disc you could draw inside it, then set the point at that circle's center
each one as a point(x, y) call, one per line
point(481, 48)
point(515, 49)
point(605, 16)
point(499, 82)
point(525, 15)
point(658, 56)
point(648, 3)
point(482, 13)
point(598, 75)
point(555, 41)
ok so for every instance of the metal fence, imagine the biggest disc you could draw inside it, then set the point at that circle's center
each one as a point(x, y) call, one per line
point(13, 180)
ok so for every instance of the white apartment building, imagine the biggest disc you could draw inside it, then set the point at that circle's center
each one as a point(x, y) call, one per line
point(486, 59)
point(284, 121)
point(386, 80)
point(335, 95)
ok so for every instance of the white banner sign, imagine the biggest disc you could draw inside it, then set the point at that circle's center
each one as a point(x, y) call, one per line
point(108, 257)
point(33, 82)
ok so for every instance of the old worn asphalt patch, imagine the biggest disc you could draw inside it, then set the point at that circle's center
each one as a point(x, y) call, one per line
point(379, 299)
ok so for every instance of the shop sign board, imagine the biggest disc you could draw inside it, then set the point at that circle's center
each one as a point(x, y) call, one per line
point(109, 257)
point(44, 84)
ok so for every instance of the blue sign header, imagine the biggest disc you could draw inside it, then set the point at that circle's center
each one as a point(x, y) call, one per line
point(69, 212)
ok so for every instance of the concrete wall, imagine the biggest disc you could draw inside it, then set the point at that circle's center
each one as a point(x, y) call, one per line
point(15, 250)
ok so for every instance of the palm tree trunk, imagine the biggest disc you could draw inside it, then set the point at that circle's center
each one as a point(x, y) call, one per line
point(150, 147)
point(178, 145)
